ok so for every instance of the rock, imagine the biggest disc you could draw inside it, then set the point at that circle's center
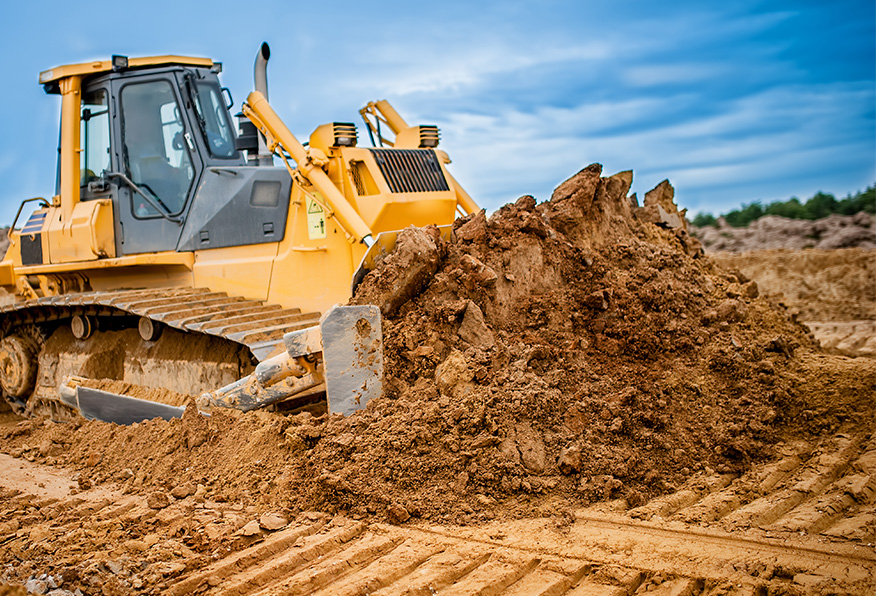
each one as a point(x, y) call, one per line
point(250, 529)
point(36, 586)
point(39, 533)
point(273, 521)
point(136, 546)
point(115, 567)
point(731, 310)
point(183, 490)
point(157, 501)
point(484, 275)
point(48, 448)
point(397, 514)
point(659, 204)
point(750, 290)
point(473, 230)
point(453, 372)
point(532, 450)
point(406, 270)
point(215, 531)
point(570, 459)
point(170, 568)
point(473, 328)
point(485, 499)
point(482, 441)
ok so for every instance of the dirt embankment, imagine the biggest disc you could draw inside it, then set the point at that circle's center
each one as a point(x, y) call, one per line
point(544, 358)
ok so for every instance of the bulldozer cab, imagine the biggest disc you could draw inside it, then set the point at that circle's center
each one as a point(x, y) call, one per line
point(146, 138)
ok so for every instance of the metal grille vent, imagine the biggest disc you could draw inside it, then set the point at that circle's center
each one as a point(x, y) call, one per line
point(357, 177)
point(410, 170)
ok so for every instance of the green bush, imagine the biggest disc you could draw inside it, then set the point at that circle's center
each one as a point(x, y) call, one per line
point(819, 206)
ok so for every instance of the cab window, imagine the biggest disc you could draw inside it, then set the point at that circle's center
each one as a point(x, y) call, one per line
point(213, 116)
point(94, 159)
point(155, 140)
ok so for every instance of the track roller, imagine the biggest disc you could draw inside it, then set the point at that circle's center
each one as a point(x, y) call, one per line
point(149, 330)
point(82, 326)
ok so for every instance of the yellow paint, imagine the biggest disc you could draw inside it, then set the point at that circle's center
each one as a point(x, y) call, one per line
point(98, 66)
point(86, 235)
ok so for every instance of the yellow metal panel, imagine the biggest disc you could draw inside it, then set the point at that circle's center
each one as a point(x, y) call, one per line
point(87, 68)
point(312, 274)
point(85, 236)
point(239, 270)
point(7, 274)
point(182, 259)
point(71, 102)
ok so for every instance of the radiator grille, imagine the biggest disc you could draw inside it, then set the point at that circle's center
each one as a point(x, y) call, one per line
point(410, 170)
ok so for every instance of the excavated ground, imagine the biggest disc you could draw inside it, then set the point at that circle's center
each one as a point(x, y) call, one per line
point(570, 361)
point(833, 292)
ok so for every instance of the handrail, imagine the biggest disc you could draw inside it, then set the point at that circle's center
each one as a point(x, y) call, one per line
point(18, 214)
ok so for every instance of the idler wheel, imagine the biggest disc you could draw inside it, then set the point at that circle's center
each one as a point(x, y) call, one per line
point(18, 365)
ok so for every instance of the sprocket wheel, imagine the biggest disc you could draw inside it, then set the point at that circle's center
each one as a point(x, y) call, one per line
point(18, 368)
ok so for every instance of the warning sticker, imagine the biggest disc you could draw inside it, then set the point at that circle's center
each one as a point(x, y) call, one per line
point(315, 219)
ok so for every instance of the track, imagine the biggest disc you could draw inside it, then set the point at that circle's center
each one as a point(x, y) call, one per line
point(804, 523)
point(252, 323)
point(205, 323)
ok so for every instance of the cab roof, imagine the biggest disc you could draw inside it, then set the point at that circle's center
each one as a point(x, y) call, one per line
point(89, 68)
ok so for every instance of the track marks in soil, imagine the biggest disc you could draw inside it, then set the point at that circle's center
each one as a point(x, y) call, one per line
point(828, 489)
point(348, 558)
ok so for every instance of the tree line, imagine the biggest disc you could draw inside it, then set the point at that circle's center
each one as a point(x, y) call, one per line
point(820, 205)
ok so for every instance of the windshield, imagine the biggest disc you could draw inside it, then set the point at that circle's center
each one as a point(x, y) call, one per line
point(214, 120)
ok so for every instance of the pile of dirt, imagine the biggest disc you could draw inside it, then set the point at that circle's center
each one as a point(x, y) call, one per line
point(774, 232)
point(547, 356)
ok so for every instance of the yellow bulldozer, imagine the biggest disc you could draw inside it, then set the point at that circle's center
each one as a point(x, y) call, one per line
point(171, 223)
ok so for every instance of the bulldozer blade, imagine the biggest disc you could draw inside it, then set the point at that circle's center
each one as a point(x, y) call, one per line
point(95, 404)
point(352, 348)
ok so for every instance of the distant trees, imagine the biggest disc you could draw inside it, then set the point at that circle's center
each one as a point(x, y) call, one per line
point(820, 205)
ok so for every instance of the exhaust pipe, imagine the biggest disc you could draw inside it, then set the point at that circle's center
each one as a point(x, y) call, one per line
point(260, 74)
point(260, 82)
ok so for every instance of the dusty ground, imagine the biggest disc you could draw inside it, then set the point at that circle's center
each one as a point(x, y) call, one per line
point(832, 292)
point(577, 402)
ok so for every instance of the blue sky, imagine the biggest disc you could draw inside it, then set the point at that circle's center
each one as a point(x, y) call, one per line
point(733, 102)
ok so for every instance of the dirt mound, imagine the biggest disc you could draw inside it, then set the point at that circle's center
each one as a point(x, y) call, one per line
point(775, 232)
point(549, 355)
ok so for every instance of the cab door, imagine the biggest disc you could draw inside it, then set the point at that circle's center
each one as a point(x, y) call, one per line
point(159, 167)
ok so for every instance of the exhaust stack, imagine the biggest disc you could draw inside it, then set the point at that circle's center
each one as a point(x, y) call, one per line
point(260, 82)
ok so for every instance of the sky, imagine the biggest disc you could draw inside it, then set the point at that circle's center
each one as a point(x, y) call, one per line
point(733, 102)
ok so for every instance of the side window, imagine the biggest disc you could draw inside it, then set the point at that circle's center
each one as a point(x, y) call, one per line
point(94, 136)
point(154, 140)
point(213, 117)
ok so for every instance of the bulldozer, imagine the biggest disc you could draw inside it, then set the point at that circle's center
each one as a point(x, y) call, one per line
point(174, 253)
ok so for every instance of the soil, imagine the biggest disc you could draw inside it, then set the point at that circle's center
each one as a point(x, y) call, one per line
point(833, 292)
point(549, 359)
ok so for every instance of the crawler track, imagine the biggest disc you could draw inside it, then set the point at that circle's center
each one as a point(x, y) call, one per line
point(252, 323)
point(255, 327)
